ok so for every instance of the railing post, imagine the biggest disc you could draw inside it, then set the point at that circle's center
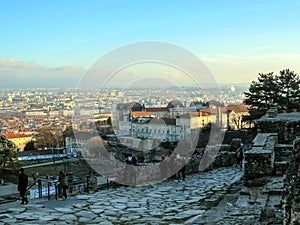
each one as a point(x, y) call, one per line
point(40, 188)
point(70, 181)
point(48, 190)
point(87, 184)
point(55, 184)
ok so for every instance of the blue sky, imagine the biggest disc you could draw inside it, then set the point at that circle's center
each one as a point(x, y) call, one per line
point(42, 42)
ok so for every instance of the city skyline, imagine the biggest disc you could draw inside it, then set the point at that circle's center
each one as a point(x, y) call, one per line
point(53, 44)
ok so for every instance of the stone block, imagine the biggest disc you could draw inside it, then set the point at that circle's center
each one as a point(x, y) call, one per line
point(259, 161)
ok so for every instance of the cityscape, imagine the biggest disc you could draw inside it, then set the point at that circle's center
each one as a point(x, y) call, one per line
point(24, 111)
point(153, 112)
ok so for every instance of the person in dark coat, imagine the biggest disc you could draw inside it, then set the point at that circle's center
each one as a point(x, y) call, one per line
point(62, 178)
point(22, 186)
point(239, 157)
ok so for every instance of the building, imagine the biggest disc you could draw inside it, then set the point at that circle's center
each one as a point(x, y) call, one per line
point(229, 116)
point(172, 123)
point(36, 113)
point(163, 129)
point(157, 111)
point(236, 113)
point(20, 140)
point(122, 115)
point(176, 108)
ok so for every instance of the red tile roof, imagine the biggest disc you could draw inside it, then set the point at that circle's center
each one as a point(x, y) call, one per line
point(224, 110)
point(238, 108)
point(139, 114)
point(207, 111)
point(14, 135)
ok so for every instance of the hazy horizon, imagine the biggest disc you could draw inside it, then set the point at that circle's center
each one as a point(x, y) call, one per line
point(220, 85)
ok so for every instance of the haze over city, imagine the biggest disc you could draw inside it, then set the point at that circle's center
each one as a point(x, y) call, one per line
point(54, 43)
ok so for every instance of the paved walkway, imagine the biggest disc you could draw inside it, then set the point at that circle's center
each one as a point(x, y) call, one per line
point(8, 189)
point(170, 202)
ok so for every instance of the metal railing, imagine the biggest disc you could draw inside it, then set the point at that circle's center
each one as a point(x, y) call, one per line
point(45, 187)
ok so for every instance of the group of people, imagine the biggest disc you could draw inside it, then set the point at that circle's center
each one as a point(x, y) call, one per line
point(174, 167)
point(23, 185)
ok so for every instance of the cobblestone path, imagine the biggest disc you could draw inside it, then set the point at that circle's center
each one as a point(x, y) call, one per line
point(170, 202)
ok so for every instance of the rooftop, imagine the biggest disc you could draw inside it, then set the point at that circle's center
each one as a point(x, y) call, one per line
point(14, 135)
point(288, 117)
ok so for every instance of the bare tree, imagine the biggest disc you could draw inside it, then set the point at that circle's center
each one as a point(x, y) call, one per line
point(48, 137)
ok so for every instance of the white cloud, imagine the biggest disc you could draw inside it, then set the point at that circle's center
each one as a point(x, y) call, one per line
point(15, 73)
point(12, 63)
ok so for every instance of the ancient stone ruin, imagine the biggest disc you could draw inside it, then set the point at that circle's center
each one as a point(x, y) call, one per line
point(259, 160)
point(272, 173)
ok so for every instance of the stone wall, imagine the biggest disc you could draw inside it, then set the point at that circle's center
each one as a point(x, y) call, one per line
point(217, 156)
point(291, 197)
point(283, 153)
point(286, 125)
point(259, 162)
point(260, 158)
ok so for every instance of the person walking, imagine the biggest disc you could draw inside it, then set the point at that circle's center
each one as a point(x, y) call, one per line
point(182, 170)
point(239, 157)
point(22, 186)
point(163, 166)
point(62, 178)
point(133, 170)
point(180, 167)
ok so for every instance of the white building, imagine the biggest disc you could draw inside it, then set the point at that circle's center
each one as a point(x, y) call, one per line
point(36, 113)
point(163, 129)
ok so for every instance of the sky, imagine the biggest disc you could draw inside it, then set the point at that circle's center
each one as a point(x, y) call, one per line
point(54, 43)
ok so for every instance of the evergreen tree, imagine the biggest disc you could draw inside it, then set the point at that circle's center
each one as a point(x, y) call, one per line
point(261, 96)
point(289, 84)
point(281, 91)
point(29, 146)
point(8, 153)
